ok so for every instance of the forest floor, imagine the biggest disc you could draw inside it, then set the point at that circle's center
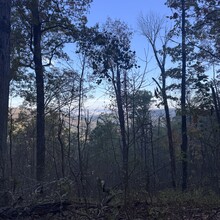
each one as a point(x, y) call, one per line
point(166, 205)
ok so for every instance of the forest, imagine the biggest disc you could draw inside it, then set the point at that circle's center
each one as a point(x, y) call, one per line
point(152, 154)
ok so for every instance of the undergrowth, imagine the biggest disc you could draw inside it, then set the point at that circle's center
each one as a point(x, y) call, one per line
point(198, 197)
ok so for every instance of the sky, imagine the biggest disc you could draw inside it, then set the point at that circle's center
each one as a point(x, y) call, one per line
point(127, 11)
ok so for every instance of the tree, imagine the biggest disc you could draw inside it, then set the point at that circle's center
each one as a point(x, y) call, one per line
point(205, 36)
point(184, 145)
point(151, 27)
point(140, 123)
point(216, 102)
point(111, 59)
point(38, 66)
point(205, 29)
point(104, 154)
point(190, 65)
point(42, 25)
point(5, 11)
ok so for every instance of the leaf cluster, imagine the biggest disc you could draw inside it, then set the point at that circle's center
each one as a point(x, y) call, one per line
point(108, 49)
point(60, 23)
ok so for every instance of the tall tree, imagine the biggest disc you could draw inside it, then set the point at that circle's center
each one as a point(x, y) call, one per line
point(5, 9)
point(151, 27)
point(44, 28)
point(39, 71)
point(111, 59)
point(181, 23)
point(184, 145)
point(190, 65)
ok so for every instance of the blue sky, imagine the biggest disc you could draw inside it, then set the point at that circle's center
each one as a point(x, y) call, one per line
point(127, 11)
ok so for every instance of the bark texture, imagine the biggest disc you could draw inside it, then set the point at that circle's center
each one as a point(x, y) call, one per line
point(184, 146)
point(39, 71)
point(5, 7)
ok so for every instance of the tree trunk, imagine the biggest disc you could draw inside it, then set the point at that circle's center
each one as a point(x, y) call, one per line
point(184, 146)
point(168, 126)
point(39, 71)
point(62, 146)
point(152, 154)
point(79, 145)
point(215, 101)
point(5, 8)
point(121, 116)
point(170, 141)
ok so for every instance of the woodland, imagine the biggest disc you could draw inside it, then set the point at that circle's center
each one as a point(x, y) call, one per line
point(59, 161)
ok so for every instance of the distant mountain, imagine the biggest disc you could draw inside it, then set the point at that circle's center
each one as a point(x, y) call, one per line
point(156, 113)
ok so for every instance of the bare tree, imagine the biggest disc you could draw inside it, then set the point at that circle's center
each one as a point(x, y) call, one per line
point(151, 27)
